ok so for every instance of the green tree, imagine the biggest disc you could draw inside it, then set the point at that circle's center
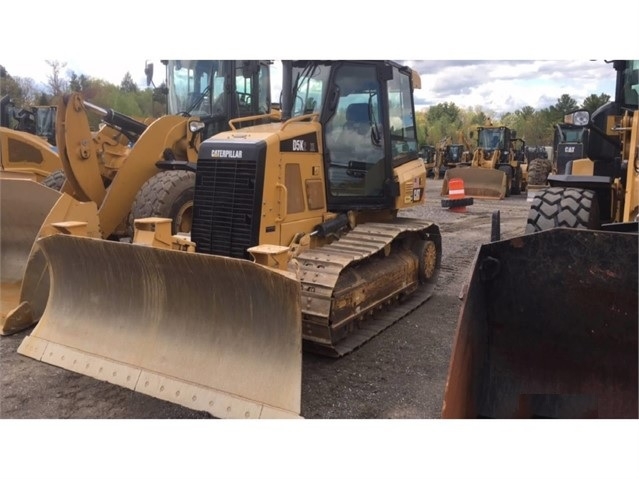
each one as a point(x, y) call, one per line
point(447, 112)
point(10, 86)
point(592, 102)
point(77, 82)
point(128, 85)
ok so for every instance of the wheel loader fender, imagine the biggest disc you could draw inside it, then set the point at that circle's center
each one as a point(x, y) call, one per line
point(25, 154)
point(548, 328)
point(139, 166)
point(207, 332)
point(26, 288)
point(478, 182)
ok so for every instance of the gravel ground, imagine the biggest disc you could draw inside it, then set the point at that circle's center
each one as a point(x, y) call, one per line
point(400, 373)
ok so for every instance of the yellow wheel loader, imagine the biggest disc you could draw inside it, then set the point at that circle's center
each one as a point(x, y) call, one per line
point(129, 169)
point(27, 142)
point(548, 328)
point(297, 241)
point(497, 168)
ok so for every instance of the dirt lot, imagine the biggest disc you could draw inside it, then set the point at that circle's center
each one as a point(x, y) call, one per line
point(399, 374)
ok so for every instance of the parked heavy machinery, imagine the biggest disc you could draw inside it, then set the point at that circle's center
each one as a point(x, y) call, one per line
point(26, 146)
point(128, 169)
point(451, 155)
point(498, 166)
point(298, 242)
point(548, 328)
point(570, 143)
point(429, 155)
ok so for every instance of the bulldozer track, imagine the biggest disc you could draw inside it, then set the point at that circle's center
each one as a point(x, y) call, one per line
point(320, 269)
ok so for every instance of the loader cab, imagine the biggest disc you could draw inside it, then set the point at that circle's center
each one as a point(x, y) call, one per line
point(217, 90)
point(454, 154)
point(491, 138)
point(45, 122)
point(368, 126)
point(500, 138)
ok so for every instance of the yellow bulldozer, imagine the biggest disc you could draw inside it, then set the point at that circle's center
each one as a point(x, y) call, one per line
point(297, 242)
point(498, 165)
point(129, 169)
point(549, 324)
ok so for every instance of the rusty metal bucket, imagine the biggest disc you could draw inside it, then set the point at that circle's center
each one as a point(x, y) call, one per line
point(485, 183)
point(209, 333)
point(548, 329)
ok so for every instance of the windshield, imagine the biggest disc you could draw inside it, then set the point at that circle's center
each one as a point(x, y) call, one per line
point(573, 135)
point(631, 83)
point(45, 122)
point(402, 124)
point(309, 84)
point(456, 152)
point(490, 139)
point(195, 87)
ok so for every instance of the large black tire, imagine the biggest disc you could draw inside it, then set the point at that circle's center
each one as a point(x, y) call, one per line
point(55, 180)
point(515, 189)
point(168, 194)
point(508, 171)
point(538, 171)
point(563, 207)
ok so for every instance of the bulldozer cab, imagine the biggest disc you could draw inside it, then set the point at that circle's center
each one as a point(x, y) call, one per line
point(366, 110)
point(217, 90)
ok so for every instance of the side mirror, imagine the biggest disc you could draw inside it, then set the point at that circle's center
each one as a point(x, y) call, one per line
point(148, 71)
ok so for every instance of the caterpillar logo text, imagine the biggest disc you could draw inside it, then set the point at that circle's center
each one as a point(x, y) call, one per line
point(226, 154)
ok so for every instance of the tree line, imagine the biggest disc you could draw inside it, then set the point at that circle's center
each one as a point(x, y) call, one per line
point(126, 98)
point(435, 123)
point(536, 127)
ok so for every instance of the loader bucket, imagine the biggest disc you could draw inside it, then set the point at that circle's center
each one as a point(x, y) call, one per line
point(485, 183)
point(207, 332)
point(24, 205)
point(548, 329)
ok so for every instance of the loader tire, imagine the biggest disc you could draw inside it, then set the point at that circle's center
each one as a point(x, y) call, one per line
point(538, 172)
point(55, 180)
point(168, 194)
point(515, 189)
point(509, 178)
point(563, 207)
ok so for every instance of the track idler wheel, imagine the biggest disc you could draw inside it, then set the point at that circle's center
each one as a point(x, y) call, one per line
point(426, 251)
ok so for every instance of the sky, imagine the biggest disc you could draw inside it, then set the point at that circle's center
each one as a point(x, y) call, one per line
point(497, 86)
point(473, 65)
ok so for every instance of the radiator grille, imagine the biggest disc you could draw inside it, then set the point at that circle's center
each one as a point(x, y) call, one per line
point(226, 209)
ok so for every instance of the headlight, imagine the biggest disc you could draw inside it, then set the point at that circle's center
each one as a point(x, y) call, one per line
point(578, 118)
point(195, 126)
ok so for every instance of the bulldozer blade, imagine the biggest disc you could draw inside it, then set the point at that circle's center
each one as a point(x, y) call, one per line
point(25, 293)
point(548, 329)
point(207, 332)
point(25, 205)
point(484, 183)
